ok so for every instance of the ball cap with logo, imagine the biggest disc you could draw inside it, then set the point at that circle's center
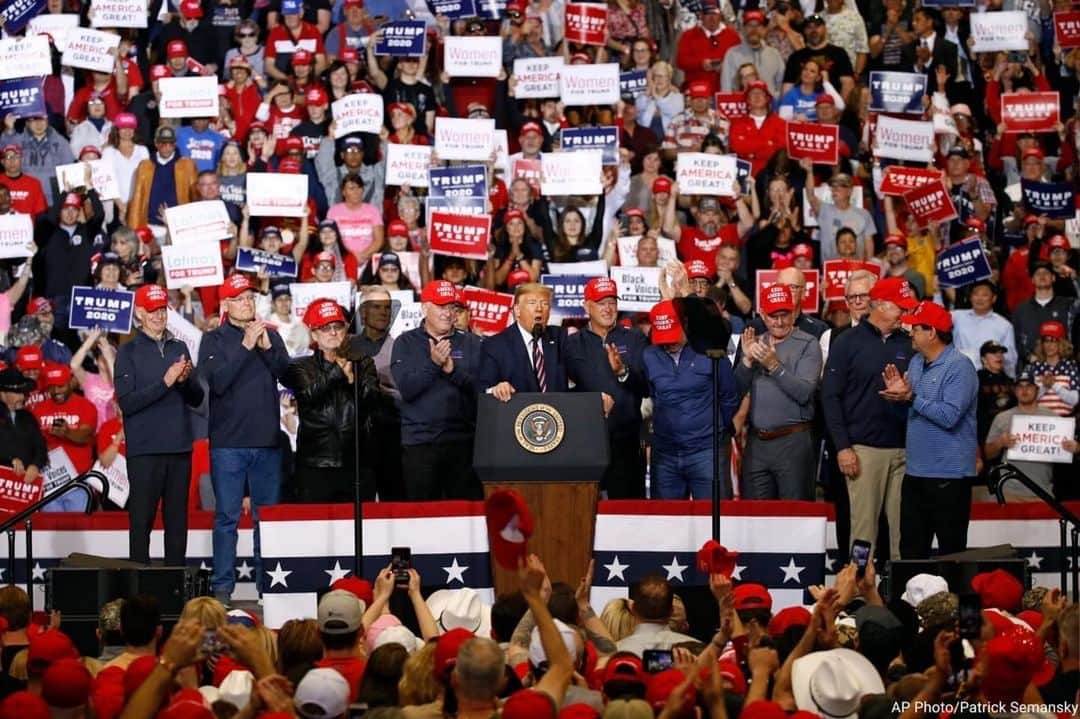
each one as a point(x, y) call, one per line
point(895, 290)
point(600, 288)
point(510, 524)
point(323, 312)
point(323, 692)
point(697, 270)
point(151, 298)
point(340, 612)
point(234, 286)
point(777, 299)
point(666, 328)
point(439, 292)
point(930, 314)
point(57, 375)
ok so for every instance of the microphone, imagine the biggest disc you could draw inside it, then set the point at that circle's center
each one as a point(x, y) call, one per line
point(537, 331)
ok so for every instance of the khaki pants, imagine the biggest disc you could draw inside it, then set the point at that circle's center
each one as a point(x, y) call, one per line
point(881, 475)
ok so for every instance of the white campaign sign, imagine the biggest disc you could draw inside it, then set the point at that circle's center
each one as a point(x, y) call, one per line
point(197, 265)
point(206, 221)
point(903, 139)
point(16, 235)
point(1040, 437)
point(60, 469)
point(501, 143)
point(56, 26)
point(304, 293)
point(700, 173)
point(572, 173)
point(592, 268)
point(472, 56)
point(359, 112)
point(117, 476)
point(590, 84)
point(464, 139)
point(407, 164)
point(628, 251)
point(184, 331)
point(25, 57)
point(276, 195)
point(537, 77)
point(118, 13)
point(90, 50)
point(103, 177)
point(407, 317)
point(189, 96)
point(994, 31)
point(639, 287)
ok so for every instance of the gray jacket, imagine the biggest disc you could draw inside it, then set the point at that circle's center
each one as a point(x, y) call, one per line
point(331, 174)
point(40, 158)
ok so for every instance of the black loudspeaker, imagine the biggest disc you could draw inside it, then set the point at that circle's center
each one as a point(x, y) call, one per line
point(957, 569)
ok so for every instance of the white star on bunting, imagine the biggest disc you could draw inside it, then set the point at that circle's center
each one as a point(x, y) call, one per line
point(792, 572)
point(279, 576)
point(245, 570)
point(616, 569)
point(675, 570)
point(38, 573)
point(1034, 561)
point(455, 572)
point(736, 573)
point(337, 572)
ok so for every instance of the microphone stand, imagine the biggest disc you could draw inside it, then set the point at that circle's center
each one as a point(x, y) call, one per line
point(358, 506)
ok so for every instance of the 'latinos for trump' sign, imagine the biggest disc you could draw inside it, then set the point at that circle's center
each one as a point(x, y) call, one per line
point(196, 265)
point(1039, 438)
point(764, 279)
point(996, 31)
point(1067, 29)
point(460, 235)
point(590, 84)
point(904, 139)
point(406, 38)
point(537, 77)
point(961, 264)
point(605, 139)
point(188, 96)
point(489, 311)
point(818, 143)
point(357, 112)
point(837, 273)
point(586, 23)
point(930, 203)
point(1030, 111)
point(472, 56)
point(1053, 199)
point(901, 92)
point(464, 139)
point(701, 173)
point(93, 307)
point(899, 180)
point(193, 222)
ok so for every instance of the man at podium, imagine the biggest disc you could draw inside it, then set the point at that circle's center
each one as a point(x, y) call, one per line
point(528, 356)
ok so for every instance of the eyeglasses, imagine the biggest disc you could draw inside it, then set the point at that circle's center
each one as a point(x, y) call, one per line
point(795, 287)
point(1051, 339)
point(244, 35)
point(333, 328)
point(861, 297)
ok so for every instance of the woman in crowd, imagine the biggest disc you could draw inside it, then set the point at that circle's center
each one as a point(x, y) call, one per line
point(124, 151)
point(1055, 367)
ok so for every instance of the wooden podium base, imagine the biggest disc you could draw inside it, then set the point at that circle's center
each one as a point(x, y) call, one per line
point(565, 518)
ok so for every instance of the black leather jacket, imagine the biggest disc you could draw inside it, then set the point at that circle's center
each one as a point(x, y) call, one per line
point(327, 411)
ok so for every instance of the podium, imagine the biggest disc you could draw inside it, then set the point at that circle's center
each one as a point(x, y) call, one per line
point(552, 449)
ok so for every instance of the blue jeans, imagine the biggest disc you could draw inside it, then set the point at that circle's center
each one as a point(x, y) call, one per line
point(258, 469)
point(682, 474)
point(73, 501)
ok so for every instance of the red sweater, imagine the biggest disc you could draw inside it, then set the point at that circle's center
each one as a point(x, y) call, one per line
point(27, 196)
point(757, 145)
point(695, 46)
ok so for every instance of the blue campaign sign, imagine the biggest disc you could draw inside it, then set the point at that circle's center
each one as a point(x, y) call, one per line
point(949, 3)
point(458, 182)
point(900, 92)
point(454, 9)
point(108, 309)
point(1053, 199)
point(15, 14)
point(962, 263)
point(568, 294)
point(22, 96)
point(403, 39)
point(493, 9)
point(632, 82)
point(575, 139)
point(249, 260)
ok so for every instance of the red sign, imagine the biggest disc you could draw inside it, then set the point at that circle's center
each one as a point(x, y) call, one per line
point(731, 104)
point(817, 143)
point(899, 180)
point(528, 170)
point(489, 311)
point(838, 271)
point(586, 23)
point(1067, 28)
point(460, 235)
point(930, 203)
point(767, 278)
point(1030, 111)
point(15, 494)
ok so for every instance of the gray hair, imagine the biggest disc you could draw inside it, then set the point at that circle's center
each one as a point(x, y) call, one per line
point(859, 275)
point(479, 669)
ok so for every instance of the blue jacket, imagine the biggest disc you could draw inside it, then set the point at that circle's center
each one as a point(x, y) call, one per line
point(436, 406)
point(507, 360)
point(244, 408)
point(682, 398)
point(149, 406)
point(587, 365)
point(941, 438)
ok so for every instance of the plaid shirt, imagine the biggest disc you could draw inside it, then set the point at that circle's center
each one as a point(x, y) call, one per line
point(688, 129)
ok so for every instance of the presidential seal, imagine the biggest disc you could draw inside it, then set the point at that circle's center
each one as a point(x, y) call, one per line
point(539, 428)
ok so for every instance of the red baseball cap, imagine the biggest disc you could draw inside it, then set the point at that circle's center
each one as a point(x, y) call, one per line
point(56, 375)
point(896, 239)
point(666, 328)
point(998, 590)
point(635, 212)
point(29, 357)
point(317, 96)
point(513, 214)
point(66, 684)
point(517, 277)
point(625, 668)
point(191, 9)
point(325, 256)
point(715, 558)
point(1058, 242)
point(600, 288)
point(1032, 152)
point(529, 704)
point(145, 234)
point(974, 223)
point(322, 312)
point(405, 107)
point(187, 704)
point(763, 709)
point(25, 705)
point(439, 292)
point(89, 150)
point(895, 290)
point(509, 524)
point(661, 185)
point(50, 645)
point(1013, 660)
point(531, 127)
point(786, 618)
point(234, 286)
point(151, 298)
point(39, 304)
point(361, 588)
point(753, 15)
point(349, 54)
point(930, 314)
point(289, 166)
point(803, 249)
point(751, 596)
point(292, 143)
point(397, 228)
point(1052, 329)
point(11, 148)
point(757, 85)
point(699, 88)
point(824, 98)
point(697, 269)
point(777, 299)
point(447, 647)
point(662, 684)
point(73, 199)
point(730, 671)
point(126, 121)
point(175, 48)
point(302, 57)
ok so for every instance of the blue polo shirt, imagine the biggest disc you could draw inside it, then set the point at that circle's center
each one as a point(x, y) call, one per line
point(941, 438)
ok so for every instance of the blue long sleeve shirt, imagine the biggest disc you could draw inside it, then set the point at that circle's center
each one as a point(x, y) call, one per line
point(682, 398)
point(941, 437)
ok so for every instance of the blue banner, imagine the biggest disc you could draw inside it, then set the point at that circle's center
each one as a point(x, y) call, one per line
point(949, 3)
point(632, 82)
point(962, 263)
point(1053, 199)
point(567, 295)
point(458, 182)
point(249, 260)
point(494, 9)
point(900, 92)
point(109, 310)
point(575, 139)
point(403, 39)
point(15, 14)
point(22, 96)
point(454, 9)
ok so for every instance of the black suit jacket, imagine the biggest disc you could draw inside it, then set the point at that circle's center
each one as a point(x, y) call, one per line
point(505, 359)
point(945, 53)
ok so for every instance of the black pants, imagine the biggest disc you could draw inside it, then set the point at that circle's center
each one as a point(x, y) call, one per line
point(330, 485)
point(441, 470)
point(625, 475)
point(930, 507)
point(158, 478)
point(385, 461)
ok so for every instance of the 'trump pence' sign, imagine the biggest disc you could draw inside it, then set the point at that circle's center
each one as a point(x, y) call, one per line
point(1039, 438)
